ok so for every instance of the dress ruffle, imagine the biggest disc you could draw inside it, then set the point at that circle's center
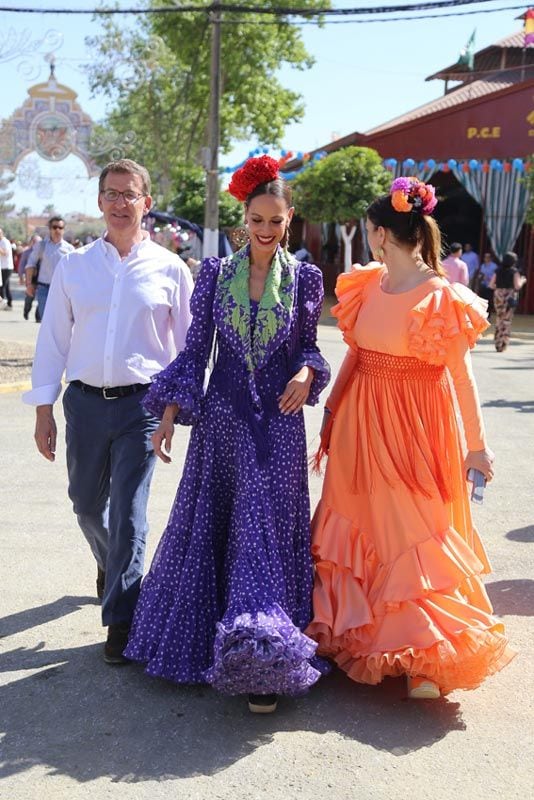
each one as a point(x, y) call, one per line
point(236, 621)
point(425, 613)
point(262, 653)
point(182, 382)
point(445, 313)
point(350, 287)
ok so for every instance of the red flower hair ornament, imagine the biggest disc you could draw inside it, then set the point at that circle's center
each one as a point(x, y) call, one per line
point(253, 172)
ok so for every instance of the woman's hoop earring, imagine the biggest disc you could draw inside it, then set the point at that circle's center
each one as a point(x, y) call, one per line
point(380, 254)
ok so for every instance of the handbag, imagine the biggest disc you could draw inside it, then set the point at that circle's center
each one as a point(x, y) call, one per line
point(512, 301)
point(37, 265)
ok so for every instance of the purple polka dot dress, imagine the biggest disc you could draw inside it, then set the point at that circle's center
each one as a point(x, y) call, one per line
point(229, 590)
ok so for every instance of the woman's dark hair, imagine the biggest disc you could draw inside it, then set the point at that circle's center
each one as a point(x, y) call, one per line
point(509, 260)
point(410, 228)
point(278, 188)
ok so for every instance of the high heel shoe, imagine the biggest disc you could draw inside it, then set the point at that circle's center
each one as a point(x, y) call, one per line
point(420, 688)
point(262, 703)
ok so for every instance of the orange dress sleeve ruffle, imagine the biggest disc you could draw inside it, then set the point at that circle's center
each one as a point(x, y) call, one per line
point(444, 314)
point(350, 288)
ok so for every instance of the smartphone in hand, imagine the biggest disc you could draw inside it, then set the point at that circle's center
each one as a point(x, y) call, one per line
point(478, 484)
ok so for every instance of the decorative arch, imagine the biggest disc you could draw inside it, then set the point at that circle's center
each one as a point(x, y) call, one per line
point(50, 123)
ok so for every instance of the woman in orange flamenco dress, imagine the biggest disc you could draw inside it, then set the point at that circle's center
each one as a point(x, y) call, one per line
point(398, 561)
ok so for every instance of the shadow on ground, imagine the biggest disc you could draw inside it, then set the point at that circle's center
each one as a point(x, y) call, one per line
point(525, 534)
point(81, 718)
point(513, 598)
point(527, 406)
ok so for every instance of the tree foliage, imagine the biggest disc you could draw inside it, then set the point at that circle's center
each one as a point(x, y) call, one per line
point(340, 187)
point(191, 196)
point(6, 194)
point(156, 77)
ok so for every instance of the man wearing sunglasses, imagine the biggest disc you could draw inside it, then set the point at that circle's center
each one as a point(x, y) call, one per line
point(118, 313)
point(43, 261)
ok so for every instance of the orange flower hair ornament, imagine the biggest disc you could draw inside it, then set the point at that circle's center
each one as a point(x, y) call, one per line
point(411, 194)
point(253, 172)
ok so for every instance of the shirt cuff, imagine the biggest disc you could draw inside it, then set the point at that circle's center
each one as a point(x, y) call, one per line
point(42, 395)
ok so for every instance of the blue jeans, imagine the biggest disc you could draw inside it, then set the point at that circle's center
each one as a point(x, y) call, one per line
point(110, 462)
point(41, 294)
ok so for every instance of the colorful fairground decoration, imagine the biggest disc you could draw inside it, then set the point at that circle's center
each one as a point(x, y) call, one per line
point(518, 165)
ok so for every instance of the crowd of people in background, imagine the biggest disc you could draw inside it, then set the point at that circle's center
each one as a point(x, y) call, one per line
point(16, 256)
point(498, 282)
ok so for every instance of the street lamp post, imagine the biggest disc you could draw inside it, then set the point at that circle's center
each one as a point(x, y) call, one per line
point(211, 216)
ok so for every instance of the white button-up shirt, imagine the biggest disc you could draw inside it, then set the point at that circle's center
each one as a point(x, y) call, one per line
point(111, 321)
point(6, 254)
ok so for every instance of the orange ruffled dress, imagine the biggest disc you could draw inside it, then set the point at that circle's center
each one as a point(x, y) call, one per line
point(397, 588)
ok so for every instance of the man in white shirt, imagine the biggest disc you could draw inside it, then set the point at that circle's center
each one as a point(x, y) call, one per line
point(117, 313)
point(48, 253)
point(6, 266)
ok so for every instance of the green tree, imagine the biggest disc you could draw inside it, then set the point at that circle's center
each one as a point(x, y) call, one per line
point(10, 226)
point(156, 77)
point(339, 188)
point(49, 210)
point(23, 214)
point(5, 194)
point(190, 197)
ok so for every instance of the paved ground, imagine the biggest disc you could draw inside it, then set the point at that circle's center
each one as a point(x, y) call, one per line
point(72, 727)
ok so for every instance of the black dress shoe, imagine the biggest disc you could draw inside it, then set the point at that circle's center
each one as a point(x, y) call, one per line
point(100, 582)
point(116, 643)
point(262, 703)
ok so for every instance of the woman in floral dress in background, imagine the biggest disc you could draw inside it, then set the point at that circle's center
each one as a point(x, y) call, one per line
point(229, 590)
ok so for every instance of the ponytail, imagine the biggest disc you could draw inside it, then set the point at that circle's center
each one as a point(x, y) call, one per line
point(431, 244)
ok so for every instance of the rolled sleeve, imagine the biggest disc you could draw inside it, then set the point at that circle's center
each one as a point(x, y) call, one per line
point(182, 382)
point(181, 311)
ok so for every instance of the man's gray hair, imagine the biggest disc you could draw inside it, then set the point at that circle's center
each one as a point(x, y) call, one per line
point(126, 166)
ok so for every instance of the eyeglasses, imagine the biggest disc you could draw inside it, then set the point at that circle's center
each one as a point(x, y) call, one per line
point(57, 227)
point(112, 195)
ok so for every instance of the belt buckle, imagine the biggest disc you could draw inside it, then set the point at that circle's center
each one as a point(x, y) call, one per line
point(106, 389)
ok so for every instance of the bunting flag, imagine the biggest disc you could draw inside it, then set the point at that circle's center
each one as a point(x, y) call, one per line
point(529, 27)
point(467, 53)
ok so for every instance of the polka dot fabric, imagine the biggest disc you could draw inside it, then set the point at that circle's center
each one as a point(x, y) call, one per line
point(229, 591)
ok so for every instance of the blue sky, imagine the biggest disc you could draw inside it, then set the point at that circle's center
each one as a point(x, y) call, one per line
point(364, 75)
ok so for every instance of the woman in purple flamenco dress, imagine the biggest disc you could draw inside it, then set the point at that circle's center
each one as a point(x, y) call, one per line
point(229, 591)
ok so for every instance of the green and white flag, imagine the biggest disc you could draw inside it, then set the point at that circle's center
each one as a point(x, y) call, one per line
point(467, 53)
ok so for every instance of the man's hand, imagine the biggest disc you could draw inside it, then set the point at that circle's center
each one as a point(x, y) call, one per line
point(164, 433)
point(46, 432)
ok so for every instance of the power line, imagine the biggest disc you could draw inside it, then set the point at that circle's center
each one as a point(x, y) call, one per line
point(301, 23)
point(244, 9)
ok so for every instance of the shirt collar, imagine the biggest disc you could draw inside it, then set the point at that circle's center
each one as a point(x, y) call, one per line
point(112, 251)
